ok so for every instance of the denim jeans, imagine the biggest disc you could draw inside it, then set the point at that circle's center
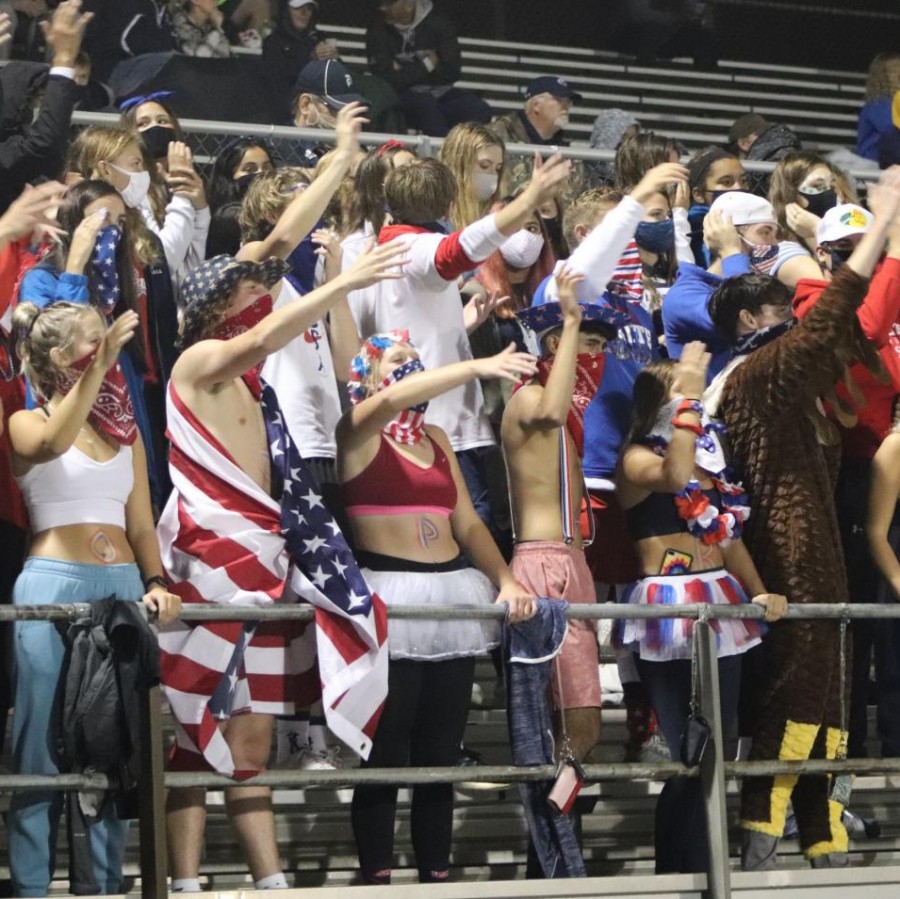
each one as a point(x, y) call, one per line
point(529, 648)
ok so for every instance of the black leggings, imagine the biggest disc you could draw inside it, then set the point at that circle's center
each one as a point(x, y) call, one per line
point(422, 724)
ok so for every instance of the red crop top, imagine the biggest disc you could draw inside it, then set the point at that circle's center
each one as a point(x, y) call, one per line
point(392, 485)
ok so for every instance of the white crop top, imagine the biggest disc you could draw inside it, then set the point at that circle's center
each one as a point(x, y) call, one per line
point(74, 489)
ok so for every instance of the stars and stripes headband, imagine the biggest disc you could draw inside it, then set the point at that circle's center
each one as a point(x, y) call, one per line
point(363, 362)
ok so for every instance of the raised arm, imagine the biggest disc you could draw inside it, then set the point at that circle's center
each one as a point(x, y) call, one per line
point(36, 439)
point(641, 467)
point(549, 408)
point(305, 210)
point(883, 495)
point(366, 420)
point(209, 363)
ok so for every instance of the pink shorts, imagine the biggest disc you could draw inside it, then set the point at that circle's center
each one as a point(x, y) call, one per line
point(557, 571)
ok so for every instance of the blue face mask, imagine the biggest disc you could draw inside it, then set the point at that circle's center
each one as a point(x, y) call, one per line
point(656, 237)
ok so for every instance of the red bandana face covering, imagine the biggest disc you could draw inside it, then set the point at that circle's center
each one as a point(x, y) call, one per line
point(112, 412)
point(243, 321)
point(588, 373)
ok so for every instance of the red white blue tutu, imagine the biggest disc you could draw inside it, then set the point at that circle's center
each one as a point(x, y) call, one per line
point(664, 639)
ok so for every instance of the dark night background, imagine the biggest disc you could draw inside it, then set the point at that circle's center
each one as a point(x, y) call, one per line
point(829, 34)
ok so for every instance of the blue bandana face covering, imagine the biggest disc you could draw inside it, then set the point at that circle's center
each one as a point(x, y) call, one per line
point(103, 266)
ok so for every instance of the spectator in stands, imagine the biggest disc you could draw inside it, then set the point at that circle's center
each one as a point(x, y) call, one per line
point(427, 302)
point(544, 117)
point(712, 172)
point(543, 444)
point(611, 127)
point(126, 29)
point(637, 153)
point(199, 29)
point(296, 40)
point(663, 473)
point(81, 466)
point(741, 235)
point(32, 211)
point(181, 225)
point(411, 526)
point(752, 137)
point(93, 95)
point(803, 187)
point(238, 163)
point(416, 50)
point(322, 88)
point(863, 402)
point(875, 118)
point(34, 147)
point(154, 118)
point(476, 158)
point(249, 19)
point(778, 447)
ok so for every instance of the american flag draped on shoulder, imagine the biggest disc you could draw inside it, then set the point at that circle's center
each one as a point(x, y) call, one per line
point(224, 540)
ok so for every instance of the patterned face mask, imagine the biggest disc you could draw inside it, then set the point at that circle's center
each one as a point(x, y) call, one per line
point(409, 425)
point(112, 412)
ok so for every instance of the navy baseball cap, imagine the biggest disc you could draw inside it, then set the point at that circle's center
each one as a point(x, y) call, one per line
point(329, 79)
point(550, 84)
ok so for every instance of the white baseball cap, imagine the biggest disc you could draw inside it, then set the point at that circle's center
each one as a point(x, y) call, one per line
point(744, 208)
point(296, 4)
point(843, 221)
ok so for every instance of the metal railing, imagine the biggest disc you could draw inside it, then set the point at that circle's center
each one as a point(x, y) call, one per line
point(207, 138)
point(713, 769)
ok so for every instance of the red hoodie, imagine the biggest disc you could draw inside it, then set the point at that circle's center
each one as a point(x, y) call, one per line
point(879, 317)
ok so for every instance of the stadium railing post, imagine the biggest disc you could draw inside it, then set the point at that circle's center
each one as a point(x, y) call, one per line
point(152, 799)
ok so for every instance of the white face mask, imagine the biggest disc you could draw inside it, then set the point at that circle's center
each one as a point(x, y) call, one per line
point(561, 121)
point(485, 186)
point(522, 249)
point(135, 192)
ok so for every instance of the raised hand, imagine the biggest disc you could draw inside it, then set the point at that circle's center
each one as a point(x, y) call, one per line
point(84, 237)
point(548, 180)
point(567, 282)
point(117, 335)
point(347, 126)
point(65, 30)
point(658, 179)
point(329, 242)
point(382, 263)
point(884, 197)
point(508, 363)
point(182, 178)
point(690, 370)
point(720, 235)
point(34, 208)
point(480, 308)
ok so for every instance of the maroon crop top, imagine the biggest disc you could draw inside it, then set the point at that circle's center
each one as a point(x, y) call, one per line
point(392, 485)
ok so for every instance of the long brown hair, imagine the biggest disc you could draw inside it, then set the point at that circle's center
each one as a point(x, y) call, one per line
point(789, 174)
point(884, 76)
point(651, 392)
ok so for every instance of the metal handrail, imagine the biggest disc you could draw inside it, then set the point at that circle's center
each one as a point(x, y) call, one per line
point(712, 771)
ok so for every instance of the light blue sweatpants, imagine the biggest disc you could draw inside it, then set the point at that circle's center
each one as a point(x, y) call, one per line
point(33, 818)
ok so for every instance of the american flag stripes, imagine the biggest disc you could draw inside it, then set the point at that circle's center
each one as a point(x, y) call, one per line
point(224, 540)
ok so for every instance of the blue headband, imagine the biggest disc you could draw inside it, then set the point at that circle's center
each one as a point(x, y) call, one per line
point(131, 102)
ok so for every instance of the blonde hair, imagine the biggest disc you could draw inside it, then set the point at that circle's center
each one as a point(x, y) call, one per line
point(459, 153)
point(884, 76)
point(268, 196)
point(583, 210)
point(41, 330)
point(103, 143)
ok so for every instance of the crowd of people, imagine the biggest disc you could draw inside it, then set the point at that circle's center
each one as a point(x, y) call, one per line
point(382, 380)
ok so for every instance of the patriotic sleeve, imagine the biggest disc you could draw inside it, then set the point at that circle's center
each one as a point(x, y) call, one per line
point(461, 251)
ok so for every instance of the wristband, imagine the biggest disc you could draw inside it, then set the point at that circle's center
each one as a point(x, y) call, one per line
point(156, 579)
point(689, 405)
point(688, 426)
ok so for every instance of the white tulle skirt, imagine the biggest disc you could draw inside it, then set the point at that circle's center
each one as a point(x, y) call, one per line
point(433, 640)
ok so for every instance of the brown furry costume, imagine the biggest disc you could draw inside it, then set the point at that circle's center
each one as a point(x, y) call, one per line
point(775, 432)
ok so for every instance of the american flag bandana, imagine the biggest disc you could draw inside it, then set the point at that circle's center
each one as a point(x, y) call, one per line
point(225, 540)
point(103, 265)
point(409, 426)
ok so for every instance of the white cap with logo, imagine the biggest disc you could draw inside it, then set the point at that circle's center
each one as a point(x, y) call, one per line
point(842, 221)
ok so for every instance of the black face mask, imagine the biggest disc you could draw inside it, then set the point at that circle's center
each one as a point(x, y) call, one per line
point(157, 140)
point(242, 184)
point(838, 258)
point(818, 204)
